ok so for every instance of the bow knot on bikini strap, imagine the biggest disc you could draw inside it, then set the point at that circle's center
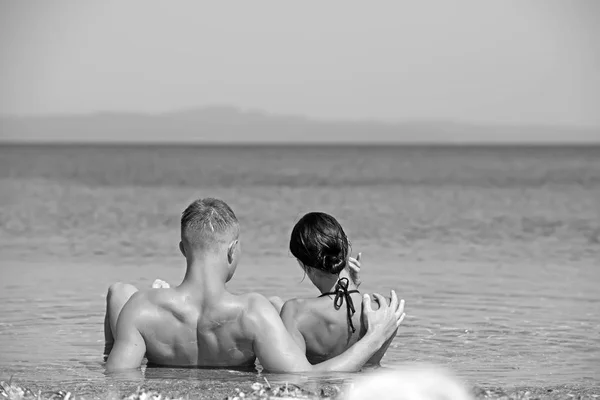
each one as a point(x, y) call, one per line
point(341, 292)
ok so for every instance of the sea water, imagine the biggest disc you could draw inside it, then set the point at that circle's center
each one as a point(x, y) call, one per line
point(496, 251)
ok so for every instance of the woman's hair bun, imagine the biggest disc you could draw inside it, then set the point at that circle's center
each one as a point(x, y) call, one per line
point(334, 259)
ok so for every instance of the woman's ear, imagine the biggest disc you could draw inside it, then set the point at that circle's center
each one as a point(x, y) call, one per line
point(181, 248)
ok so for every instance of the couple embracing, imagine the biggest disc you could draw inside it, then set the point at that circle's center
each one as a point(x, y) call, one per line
point(200, 324)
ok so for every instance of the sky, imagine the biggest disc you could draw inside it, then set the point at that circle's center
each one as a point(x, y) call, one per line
point(492, 62)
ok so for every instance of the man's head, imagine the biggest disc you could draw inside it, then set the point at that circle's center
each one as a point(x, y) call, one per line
point(209, 226)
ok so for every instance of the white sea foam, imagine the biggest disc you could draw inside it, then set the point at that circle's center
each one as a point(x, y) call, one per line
point(409, 382)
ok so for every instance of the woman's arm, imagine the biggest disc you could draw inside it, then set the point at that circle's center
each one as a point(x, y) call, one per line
point(354, 267)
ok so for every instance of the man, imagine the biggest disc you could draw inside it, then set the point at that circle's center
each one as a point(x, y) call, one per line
point(200, 324)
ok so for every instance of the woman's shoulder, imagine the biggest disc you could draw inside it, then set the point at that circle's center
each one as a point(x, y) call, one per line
point(301, 306)
point(295, 305)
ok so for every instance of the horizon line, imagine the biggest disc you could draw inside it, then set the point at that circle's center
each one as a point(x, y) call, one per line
point(305, 117)
point(473, 144)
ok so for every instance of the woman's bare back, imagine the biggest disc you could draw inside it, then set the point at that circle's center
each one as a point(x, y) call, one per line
point(325, 330)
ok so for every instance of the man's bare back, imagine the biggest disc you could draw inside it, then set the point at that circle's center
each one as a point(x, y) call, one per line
point(180, 330)
point(199, 323)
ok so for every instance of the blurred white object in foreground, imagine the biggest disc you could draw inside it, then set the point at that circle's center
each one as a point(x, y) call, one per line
point(418, 382)
point(160, 284)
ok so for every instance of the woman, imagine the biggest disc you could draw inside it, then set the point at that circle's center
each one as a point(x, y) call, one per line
point(329, 324)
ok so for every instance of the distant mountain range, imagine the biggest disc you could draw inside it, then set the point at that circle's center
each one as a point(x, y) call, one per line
point(224, 124)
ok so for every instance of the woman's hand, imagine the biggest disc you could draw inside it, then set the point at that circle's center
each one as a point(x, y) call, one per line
point(354, 267)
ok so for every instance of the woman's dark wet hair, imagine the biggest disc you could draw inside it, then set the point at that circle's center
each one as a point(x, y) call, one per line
point(319, 241)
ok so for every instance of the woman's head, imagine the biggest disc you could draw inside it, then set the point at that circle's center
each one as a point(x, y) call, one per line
point(318, 241)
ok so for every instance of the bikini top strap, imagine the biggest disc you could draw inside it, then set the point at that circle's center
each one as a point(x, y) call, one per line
point(341, 292)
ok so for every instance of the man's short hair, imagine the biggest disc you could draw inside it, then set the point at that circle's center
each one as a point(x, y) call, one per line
point(207, 222)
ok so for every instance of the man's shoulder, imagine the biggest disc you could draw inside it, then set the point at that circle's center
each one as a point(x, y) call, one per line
point(133, 312)
point(258, 311)
point(158, 296)
point(142, 304)
point(254, 302)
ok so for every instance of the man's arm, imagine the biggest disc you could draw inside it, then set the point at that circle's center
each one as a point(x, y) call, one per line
point(355, 266)
point(376, 359)
point(277, 302)
point(288, 317)
point(129, 348)
point(278, 352)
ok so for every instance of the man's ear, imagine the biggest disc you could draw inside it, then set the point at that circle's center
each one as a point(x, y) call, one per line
point(181, 248)
point(231, 250)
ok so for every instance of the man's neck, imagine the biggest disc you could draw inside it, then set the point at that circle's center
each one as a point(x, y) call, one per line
point(204, 278)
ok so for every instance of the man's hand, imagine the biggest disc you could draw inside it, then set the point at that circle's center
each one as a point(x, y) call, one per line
point(385, 321)
point(354, 266)
point(160, 284)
